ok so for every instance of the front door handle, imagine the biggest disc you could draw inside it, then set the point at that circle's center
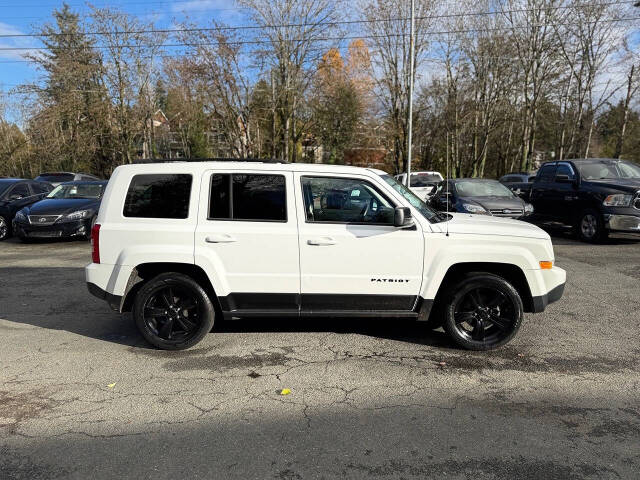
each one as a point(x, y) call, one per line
point(321, 241)
point(220, 238)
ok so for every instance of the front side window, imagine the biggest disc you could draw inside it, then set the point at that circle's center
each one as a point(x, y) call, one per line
point(564, 169)
point(547, 173)
point(345, 200)
point(158, 196)
point(249, 197)
point(20, 191)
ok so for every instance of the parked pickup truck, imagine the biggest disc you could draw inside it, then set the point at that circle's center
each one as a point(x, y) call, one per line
point(595, 196)
point(182, 244)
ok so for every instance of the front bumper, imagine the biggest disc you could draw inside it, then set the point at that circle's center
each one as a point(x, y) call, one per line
point(55, 230)
point(541, 302)
point(622, 223)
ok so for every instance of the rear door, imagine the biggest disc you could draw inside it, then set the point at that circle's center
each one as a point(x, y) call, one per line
point(352, 258)
point(247, 240)
point(541, 191)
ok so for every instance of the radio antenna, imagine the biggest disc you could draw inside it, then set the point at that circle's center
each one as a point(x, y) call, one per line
point(447, 185)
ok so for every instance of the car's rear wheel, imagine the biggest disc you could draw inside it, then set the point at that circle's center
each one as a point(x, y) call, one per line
point(482, 311)
point(5, 228)
point(590, 227)
point(173, 312)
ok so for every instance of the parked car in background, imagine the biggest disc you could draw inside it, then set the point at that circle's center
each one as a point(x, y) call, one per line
point(519, 183)
point(16, 193)
point(480, 196)
point(422, 184)
point(595, 196)
point(56, 178)
point(67, 211)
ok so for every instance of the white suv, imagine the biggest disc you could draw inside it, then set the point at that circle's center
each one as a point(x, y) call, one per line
point(182, 244)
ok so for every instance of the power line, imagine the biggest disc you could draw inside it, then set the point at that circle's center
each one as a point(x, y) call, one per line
point(309, 24)
point(324, 39)
point(126, 4)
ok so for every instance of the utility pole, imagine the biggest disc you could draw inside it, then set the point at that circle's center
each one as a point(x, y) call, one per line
point(410, 119)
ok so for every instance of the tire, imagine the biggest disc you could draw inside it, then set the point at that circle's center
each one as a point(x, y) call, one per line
point(179, 313)
point(5, 228)
point(482, 311)
point(590, 227)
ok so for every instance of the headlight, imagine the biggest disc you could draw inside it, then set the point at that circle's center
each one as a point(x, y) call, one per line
point(618, 200)
point(21, 216)
point(471, 208)
point(528, 208)
point(78, 215)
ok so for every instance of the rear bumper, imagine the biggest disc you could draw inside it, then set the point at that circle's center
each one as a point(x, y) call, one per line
point(108, 282)
point(114, 301)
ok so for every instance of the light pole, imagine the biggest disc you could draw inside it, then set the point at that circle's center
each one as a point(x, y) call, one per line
point(410, 119)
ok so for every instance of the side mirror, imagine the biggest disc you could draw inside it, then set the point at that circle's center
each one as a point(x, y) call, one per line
point(402, 217)
point(564, 179)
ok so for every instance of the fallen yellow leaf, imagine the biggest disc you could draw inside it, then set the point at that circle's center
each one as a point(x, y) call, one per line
point(111, 385)
point(285, 391)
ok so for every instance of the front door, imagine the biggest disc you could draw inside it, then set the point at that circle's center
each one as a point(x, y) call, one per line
point(247, 241)
point(352, 258)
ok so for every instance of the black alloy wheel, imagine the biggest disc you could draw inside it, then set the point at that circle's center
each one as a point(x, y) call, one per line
point(483, 312)
point(5, 228)
point(173, 312)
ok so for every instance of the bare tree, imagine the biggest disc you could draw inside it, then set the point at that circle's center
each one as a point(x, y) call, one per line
point(129, 55)
point(532, 35)
point(387, 23)
point(295, 31)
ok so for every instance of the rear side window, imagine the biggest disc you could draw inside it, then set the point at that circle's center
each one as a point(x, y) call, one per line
point(248, 197)
point(158, 196)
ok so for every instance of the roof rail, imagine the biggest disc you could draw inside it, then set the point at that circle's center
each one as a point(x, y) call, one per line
point(176, 160)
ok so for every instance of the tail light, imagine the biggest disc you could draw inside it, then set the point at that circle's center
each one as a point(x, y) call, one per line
point(95, 243)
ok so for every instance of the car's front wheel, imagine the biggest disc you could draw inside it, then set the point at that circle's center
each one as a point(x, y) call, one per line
point(5, 228)
point(590, 227)
point(173, 312)
point(482, 311)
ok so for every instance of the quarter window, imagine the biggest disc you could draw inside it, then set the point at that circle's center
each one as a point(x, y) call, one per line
point(158, 196)
point(345, 200)
point(249, 197)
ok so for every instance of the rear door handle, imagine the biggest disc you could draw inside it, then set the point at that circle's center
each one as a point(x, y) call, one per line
point(321, 241)
point(220, 238)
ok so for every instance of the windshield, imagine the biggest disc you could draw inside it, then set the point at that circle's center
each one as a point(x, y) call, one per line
point(424, 179)
point(411, 197)
point(607, 169)
point(482, 189)
point(86, 190)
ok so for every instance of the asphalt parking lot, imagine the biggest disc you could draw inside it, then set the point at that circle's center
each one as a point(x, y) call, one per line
point(82, 396)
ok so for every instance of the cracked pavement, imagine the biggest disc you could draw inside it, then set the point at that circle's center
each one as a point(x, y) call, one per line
point(82, 395)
